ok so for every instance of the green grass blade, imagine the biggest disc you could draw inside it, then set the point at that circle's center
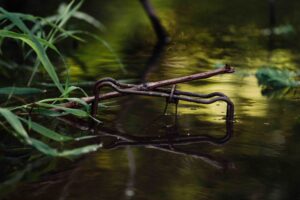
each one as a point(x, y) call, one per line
point(72, 99)
point(23, 37)
point(72, 111)
point(34, 43)
point(20, 91)
point(46, 132)
point(66, 12)
point(48, 113)
point(15, 20)
point(79, 151)
point(89, 19)
point(64, 16)
point(73, 88)
point(15, 123)
point(44, 148)
point(44, 60)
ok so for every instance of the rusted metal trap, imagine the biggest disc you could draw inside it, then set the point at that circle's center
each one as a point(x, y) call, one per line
point(159, 89)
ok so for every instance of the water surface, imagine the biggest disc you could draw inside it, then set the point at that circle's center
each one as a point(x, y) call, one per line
point(260, 161)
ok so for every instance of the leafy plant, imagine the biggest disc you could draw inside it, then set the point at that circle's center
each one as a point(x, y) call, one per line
point(37, 44)
point(273, 78)
point(285, 29)
point(34, 32)
point(277, 82)
point(39, 38)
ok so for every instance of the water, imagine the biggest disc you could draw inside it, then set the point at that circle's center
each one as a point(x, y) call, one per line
point(260, 161)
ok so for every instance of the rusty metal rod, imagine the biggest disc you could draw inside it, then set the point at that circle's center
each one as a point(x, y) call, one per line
point(230, 106)
point(224, 70)
point(155, 86)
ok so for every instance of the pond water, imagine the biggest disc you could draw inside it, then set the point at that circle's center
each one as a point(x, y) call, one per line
point(261, 159)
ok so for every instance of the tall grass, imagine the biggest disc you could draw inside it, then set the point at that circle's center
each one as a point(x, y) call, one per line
point(40, 42)
point(37, 44)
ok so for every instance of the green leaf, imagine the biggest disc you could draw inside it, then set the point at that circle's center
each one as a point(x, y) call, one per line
point(14, 122)
point(20, 91)
point(274, 78)
point(49, 113)
point(82, 16)
point(73, 88)
point(64, 16)
point(23, 37)
point(37, 46)
point(76, 112)
point(79, 151)
point(44, 148)
point(47, 132)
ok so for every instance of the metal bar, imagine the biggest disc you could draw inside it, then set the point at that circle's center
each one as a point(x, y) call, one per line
point(177, 96)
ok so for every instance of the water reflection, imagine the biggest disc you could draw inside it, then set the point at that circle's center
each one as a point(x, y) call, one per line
point(25, 166)
point(172, 141)
point(153, 60)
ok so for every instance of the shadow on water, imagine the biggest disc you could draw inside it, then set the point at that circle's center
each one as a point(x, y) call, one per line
point(169, 142)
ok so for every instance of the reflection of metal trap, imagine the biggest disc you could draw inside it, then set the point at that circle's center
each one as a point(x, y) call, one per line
point(173, 143)
point(157, 89)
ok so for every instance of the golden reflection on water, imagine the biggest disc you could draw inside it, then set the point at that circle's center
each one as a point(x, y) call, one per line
point(283, 58)
point(246, 95)
point(74, 69)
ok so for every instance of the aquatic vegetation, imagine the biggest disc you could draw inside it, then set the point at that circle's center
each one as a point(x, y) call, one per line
point(279, 30)
point(34, 32)
point(273, 78)
point(277, 82)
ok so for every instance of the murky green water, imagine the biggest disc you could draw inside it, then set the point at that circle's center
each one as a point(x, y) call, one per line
point(260, 161)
